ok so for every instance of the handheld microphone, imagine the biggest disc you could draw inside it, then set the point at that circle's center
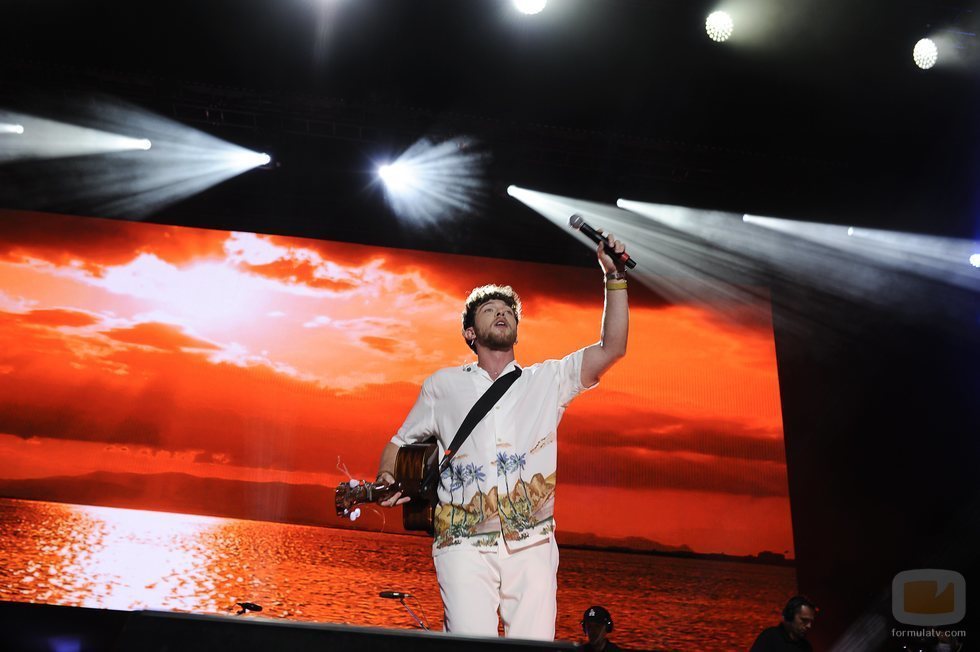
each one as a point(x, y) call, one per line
point(248, 606)
point(577, 222)
point(394, 595)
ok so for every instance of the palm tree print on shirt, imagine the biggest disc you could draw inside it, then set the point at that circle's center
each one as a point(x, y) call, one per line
point(514, 506)
point(454, 474)
point(521, 510)
point(503, 469)
point(518, 462)
point(475, 474)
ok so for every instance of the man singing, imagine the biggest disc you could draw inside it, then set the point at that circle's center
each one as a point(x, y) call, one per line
point(494, 546)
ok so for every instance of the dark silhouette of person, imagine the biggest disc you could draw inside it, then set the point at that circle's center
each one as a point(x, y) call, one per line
point(597, 624)
point(790, 634)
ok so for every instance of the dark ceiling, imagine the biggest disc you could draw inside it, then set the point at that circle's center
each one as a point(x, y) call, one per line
point(822, 116)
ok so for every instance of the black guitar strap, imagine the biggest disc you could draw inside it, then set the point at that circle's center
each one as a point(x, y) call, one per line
point(473, 417)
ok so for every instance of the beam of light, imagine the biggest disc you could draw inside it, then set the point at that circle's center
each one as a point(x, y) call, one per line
point(530, 7)
point(398, 177)
point(937, 258)
point(90, 169)
point(326, 23)
point(49, 139)
point(925, 53)
point(435, 182)
point(728, 262)
point(719, 26)
point(247, 159)
point(868, 632)
point(678, 267)
point(907, 272)
point(975, 260)
point(955, 48)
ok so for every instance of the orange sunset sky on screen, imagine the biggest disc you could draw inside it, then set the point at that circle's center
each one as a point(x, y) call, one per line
point(145, 349)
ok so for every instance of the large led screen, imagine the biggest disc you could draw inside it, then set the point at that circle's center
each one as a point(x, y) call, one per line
point(177, 406)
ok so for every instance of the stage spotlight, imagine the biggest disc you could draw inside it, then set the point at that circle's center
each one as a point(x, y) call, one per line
point(51, 139)
point(436, 182)
point(250, 159)
point(102, 171)
point(975, 260)
point(932, 257)
point(125, 144)
point(530, 7)
point(719, 26)
point(925, 54)
point(398, 177)
point(244, 159)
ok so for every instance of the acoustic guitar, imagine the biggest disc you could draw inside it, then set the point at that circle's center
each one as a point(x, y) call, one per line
point(412, 463)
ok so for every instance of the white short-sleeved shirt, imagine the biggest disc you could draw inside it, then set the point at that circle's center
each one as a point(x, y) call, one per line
point(502, 480)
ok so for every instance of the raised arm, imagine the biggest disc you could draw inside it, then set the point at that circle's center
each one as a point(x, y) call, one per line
point(611, 346)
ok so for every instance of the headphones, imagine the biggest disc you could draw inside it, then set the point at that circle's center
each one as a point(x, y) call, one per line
point(596, 614)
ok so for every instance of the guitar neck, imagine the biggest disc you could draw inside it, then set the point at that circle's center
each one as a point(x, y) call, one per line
point(378, 491)
point(346, 496)
point(411, 465)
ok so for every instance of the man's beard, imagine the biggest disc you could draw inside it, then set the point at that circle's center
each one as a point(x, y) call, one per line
point(496, 340)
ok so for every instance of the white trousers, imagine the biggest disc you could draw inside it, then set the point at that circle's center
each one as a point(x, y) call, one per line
point(521, 584)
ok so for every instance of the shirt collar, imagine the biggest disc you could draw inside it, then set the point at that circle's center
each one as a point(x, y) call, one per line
point(473, 367)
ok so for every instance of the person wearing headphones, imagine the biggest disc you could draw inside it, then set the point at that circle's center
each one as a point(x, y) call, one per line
point(597, 624)
point(798, 616)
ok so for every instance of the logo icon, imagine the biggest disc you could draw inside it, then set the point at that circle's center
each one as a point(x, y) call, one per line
point(929, 596)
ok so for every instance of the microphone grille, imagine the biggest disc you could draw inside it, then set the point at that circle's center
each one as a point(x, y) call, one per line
point(576, 221)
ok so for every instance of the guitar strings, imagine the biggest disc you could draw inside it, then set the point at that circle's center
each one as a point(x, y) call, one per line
point(343, 468)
